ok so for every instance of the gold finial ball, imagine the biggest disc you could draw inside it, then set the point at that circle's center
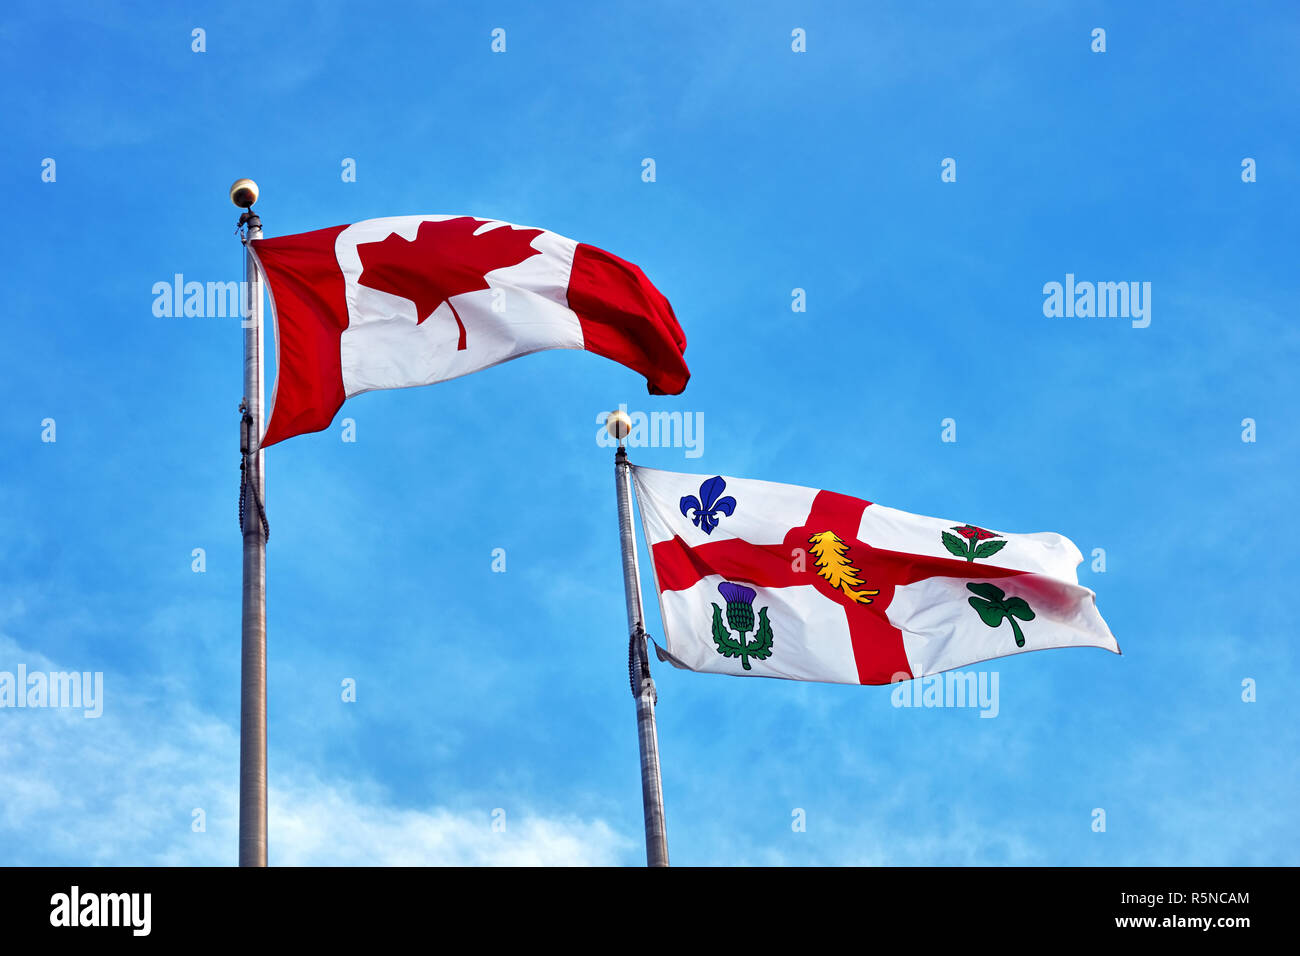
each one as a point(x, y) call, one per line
point(618, 424)
point(243, 193)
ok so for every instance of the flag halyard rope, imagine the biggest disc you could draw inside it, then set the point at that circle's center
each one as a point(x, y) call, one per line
point(245, 483)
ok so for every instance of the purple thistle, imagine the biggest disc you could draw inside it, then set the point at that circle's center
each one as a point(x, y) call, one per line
point(740, 606)
point(736, 593)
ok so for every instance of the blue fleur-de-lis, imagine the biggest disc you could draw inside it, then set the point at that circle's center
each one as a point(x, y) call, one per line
point(708, 504)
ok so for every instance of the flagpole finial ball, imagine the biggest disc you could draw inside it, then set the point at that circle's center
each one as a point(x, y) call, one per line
point(618, 424)
point(243, 193)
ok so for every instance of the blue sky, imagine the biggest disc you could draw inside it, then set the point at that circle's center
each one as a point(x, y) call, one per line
point(775, 170)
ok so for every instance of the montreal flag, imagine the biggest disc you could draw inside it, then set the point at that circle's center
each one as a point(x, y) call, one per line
point(768, 580)
point(413, 300)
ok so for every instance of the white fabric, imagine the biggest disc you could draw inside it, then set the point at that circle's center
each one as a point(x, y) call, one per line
point(939, 627)
point(941, 630)
point(1044, 551)
point(383, 347)
point(811, 634)
point(769, 510)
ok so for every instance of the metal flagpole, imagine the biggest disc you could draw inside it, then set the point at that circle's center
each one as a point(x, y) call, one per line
point(643, 687)
point(252, 514)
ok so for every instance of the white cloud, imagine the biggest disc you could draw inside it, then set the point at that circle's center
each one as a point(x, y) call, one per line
point(319, 823)
point(121, 790)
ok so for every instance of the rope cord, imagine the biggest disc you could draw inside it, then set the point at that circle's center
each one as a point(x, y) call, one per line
point(638, 668)
point(245, 482)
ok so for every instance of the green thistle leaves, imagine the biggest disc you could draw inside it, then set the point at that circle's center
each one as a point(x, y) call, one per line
point(760, 648)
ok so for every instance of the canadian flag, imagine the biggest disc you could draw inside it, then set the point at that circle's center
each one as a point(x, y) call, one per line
point(413, 300)
point(769, 580)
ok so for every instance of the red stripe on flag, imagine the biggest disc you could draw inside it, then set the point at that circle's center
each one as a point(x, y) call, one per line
point(311, 313)
point(625, 318)
point(679, 566)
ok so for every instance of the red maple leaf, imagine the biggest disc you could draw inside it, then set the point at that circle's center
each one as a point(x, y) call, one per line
point(443, 260)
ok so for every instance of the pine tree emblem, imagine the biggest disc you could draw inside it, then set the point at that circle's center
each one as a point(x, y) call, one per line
point(740, 615)
point(834, 565)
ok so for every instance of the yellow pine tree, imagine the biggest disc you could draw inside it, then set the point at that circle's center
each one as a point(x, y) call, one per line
point(834, 565)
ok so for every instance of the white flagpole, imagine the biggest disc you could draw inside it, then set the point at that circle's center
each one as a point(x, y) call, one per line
point(252, 676)
point(643, 687)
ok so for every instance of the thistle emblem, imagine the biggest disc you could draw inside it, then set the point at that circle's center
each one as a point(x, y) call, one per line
point(993, 605)
point(978, 544)
point(833, 564)
point(708, 504)
point(740, 615)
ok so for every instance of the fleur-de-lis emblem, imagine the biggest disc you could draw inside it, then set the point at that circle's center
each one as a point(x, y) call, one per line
point(708, 504)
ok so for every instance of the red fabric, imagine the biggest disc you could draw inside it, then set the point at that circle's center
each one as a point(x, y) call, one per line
point(311, 313)
point(627, 319)
point(444, 260)
point(877, 644)
point(623, 316)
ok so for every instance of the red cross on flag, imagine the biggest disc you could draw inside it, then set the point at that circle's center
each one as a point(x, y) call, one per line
point(768, 580)
point(413, 300)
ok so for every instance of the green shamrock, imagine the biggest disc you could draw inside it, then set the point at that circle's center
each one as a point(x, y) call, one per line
point(996, 605)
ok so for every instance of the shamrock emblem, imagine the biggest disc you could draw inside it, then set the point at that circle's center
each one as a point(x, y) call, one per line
point(703, 511)
point(993, 605)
